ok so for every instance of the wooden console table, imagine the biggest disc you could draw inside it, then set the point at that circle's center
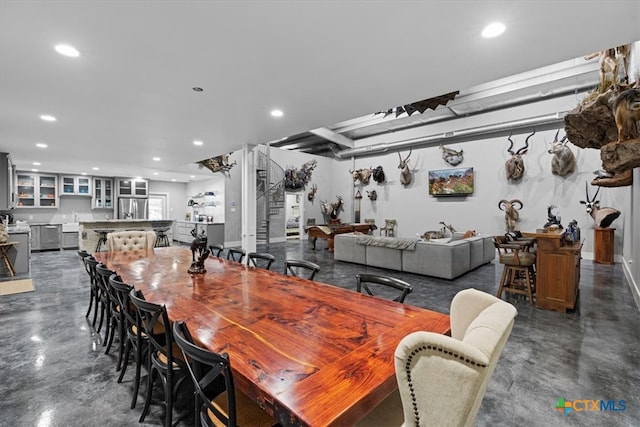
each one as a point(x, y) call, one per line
point(603, 245)
point(557, 271)
point(328, 232)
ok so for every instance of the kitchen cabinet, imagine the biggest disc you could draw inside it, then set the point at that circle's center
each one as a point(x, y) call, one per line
point(102, 193)
point(7, 188)
point(45, 236)
point(75, 186)
point(69, 240)
point(36, 190)
point(129, 187)
point(214, 231)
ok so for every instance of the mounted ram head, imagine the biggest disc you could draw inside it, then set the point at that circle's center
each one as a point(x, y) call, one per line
point(511, 214)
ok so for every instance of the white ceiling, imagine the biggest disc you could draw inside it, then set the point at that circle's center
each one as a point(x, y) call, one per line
point(129, 96)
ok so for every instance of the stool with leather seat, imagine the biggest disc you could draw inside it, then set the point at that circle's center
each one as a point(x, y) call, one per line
point(518, 275)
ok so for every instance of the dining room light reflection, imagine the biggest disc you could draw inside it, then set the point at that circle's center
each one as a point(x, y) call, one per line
point(46, 418)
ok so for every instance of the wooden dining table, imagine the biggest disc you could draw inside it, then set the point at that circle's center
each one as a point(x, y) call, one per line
point(308, 353)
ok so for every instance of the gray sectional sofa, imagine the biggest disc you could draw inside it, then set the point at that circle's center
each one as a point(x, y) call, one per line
point(446, 260)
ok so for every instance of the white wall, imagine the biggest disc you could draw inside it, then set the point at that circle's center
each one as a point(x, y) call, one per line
point(176, 200)
point(215, 184)
point(417, 212)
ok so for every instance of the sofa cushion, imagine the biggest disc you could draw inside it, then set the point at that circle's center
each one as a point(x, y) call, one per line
point(346, 249)
point(445, 260)
point(382, 257)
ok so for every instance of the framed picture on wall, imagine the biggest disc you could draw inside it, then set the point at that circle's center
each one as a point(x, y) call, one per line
point(451, 182)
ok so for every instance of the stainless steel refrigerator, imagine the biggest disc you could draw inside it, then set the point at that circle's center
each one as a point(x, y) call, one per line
point(133, 208)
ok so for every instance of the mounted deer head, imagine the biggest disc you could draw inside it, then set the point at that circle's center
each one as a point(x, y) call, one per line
point(603, 217)
point(515, 165)
point(563, 162)
point(511, 214)
point(405, 172)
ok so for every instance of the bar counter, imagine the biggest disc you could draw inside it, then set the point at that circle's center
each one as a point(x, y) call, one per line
point(89, 235)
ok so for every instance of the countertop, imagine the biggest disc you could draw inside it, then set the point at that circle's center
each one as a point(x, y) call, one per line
point(124, 220)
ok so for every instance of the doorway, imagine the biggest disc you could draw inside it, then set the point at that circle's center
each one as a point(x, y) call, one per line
point(158, 206)
point(294, 215)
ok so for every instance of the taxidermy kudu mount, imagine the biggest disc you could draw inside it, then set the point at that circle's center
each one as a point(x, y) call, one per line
point(405, 172)
point(563, 162)
point(511, 214)
point(332, 209)
point(603, 217)
point(514, 166)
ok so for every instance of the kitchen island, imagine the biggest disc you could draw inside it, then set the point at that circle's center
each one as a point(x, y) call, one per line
point(90, 231)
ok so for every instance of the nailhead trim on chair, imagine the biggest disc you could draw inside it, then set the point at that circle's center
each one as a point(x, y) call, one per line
point(408, 369)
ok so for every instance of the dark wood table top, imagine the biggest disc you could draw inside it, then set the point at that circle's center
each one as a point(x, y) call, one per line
point(309, 353)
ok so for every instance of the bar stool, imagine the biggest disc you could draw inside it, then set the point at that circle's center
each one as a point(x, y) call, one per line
point(518, 275)
point(162, 240)
point(102, 239)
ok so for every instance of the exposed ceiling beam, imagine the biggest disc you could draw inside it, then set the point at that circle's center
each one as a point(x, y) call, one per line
point(332, 136)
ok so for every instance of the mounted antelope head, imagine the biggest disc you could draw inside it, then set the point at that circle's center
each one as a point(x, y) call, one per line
point(511, 214)
point(378, 174)
point(373, 195)
point(563, 162)
point(515, 164)
point(312, 193)
point(451, 156)
point(603, 217)
point(405, 172)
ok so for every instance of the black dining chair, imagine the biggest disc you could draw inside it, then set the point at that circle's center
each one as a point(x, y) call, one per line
point(216, 249)
point(217, 402)
point(162, 358)
point(365, 280)
point(236, 254)
point(261, 259)
point(90, 267)
point(295, 267)
point(103, 274)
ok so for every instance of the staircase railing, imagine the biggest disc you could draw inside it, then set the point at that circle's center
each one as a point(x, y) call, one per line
point(269, 192)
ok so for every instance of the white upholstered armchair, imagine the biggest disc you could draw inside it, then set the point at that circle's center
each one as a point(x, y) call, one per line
point(442, 380)
point(130, 240)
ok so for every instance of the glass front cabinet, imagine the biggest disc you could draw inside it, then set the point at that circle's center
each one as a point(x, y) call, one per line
point(75, 186)
point(102, 193)
point(36, 190)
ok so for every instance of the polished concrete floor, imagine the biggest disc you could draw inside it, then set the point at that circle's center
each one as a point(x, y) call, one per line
point(53, 370)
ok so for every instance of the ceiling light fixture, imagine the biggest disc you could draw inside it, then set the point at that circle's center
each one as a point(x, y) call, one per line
point(41, 145)
point(48, 118)
point(277, 113)
point(156, 173)
point(83, 173)
point(95, 168)
point(173, 180)
point(67, 50)
point(156, 159)
point(34, 170)
point(197, 142)
point(493, 30)
point(192, 176)
point(36, 163)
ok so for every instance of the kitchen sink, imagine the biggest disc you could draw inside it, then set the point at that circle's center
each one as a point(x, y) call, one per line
point(70, 227)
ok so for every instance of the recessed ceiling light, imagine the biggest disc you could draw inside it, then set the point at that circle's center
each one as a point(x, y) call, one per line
point(138, 178)
point(156, 173)
point(277, 113)
point(66, 50)
point(493, 30)
point(197, 142)
point(192, 176)
point(36, 163)
point(83, 173)
point(34, 170)
point(173, 179)
point(41, 145)
point(95, 168)
point(156, 159)
point(48, 118)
